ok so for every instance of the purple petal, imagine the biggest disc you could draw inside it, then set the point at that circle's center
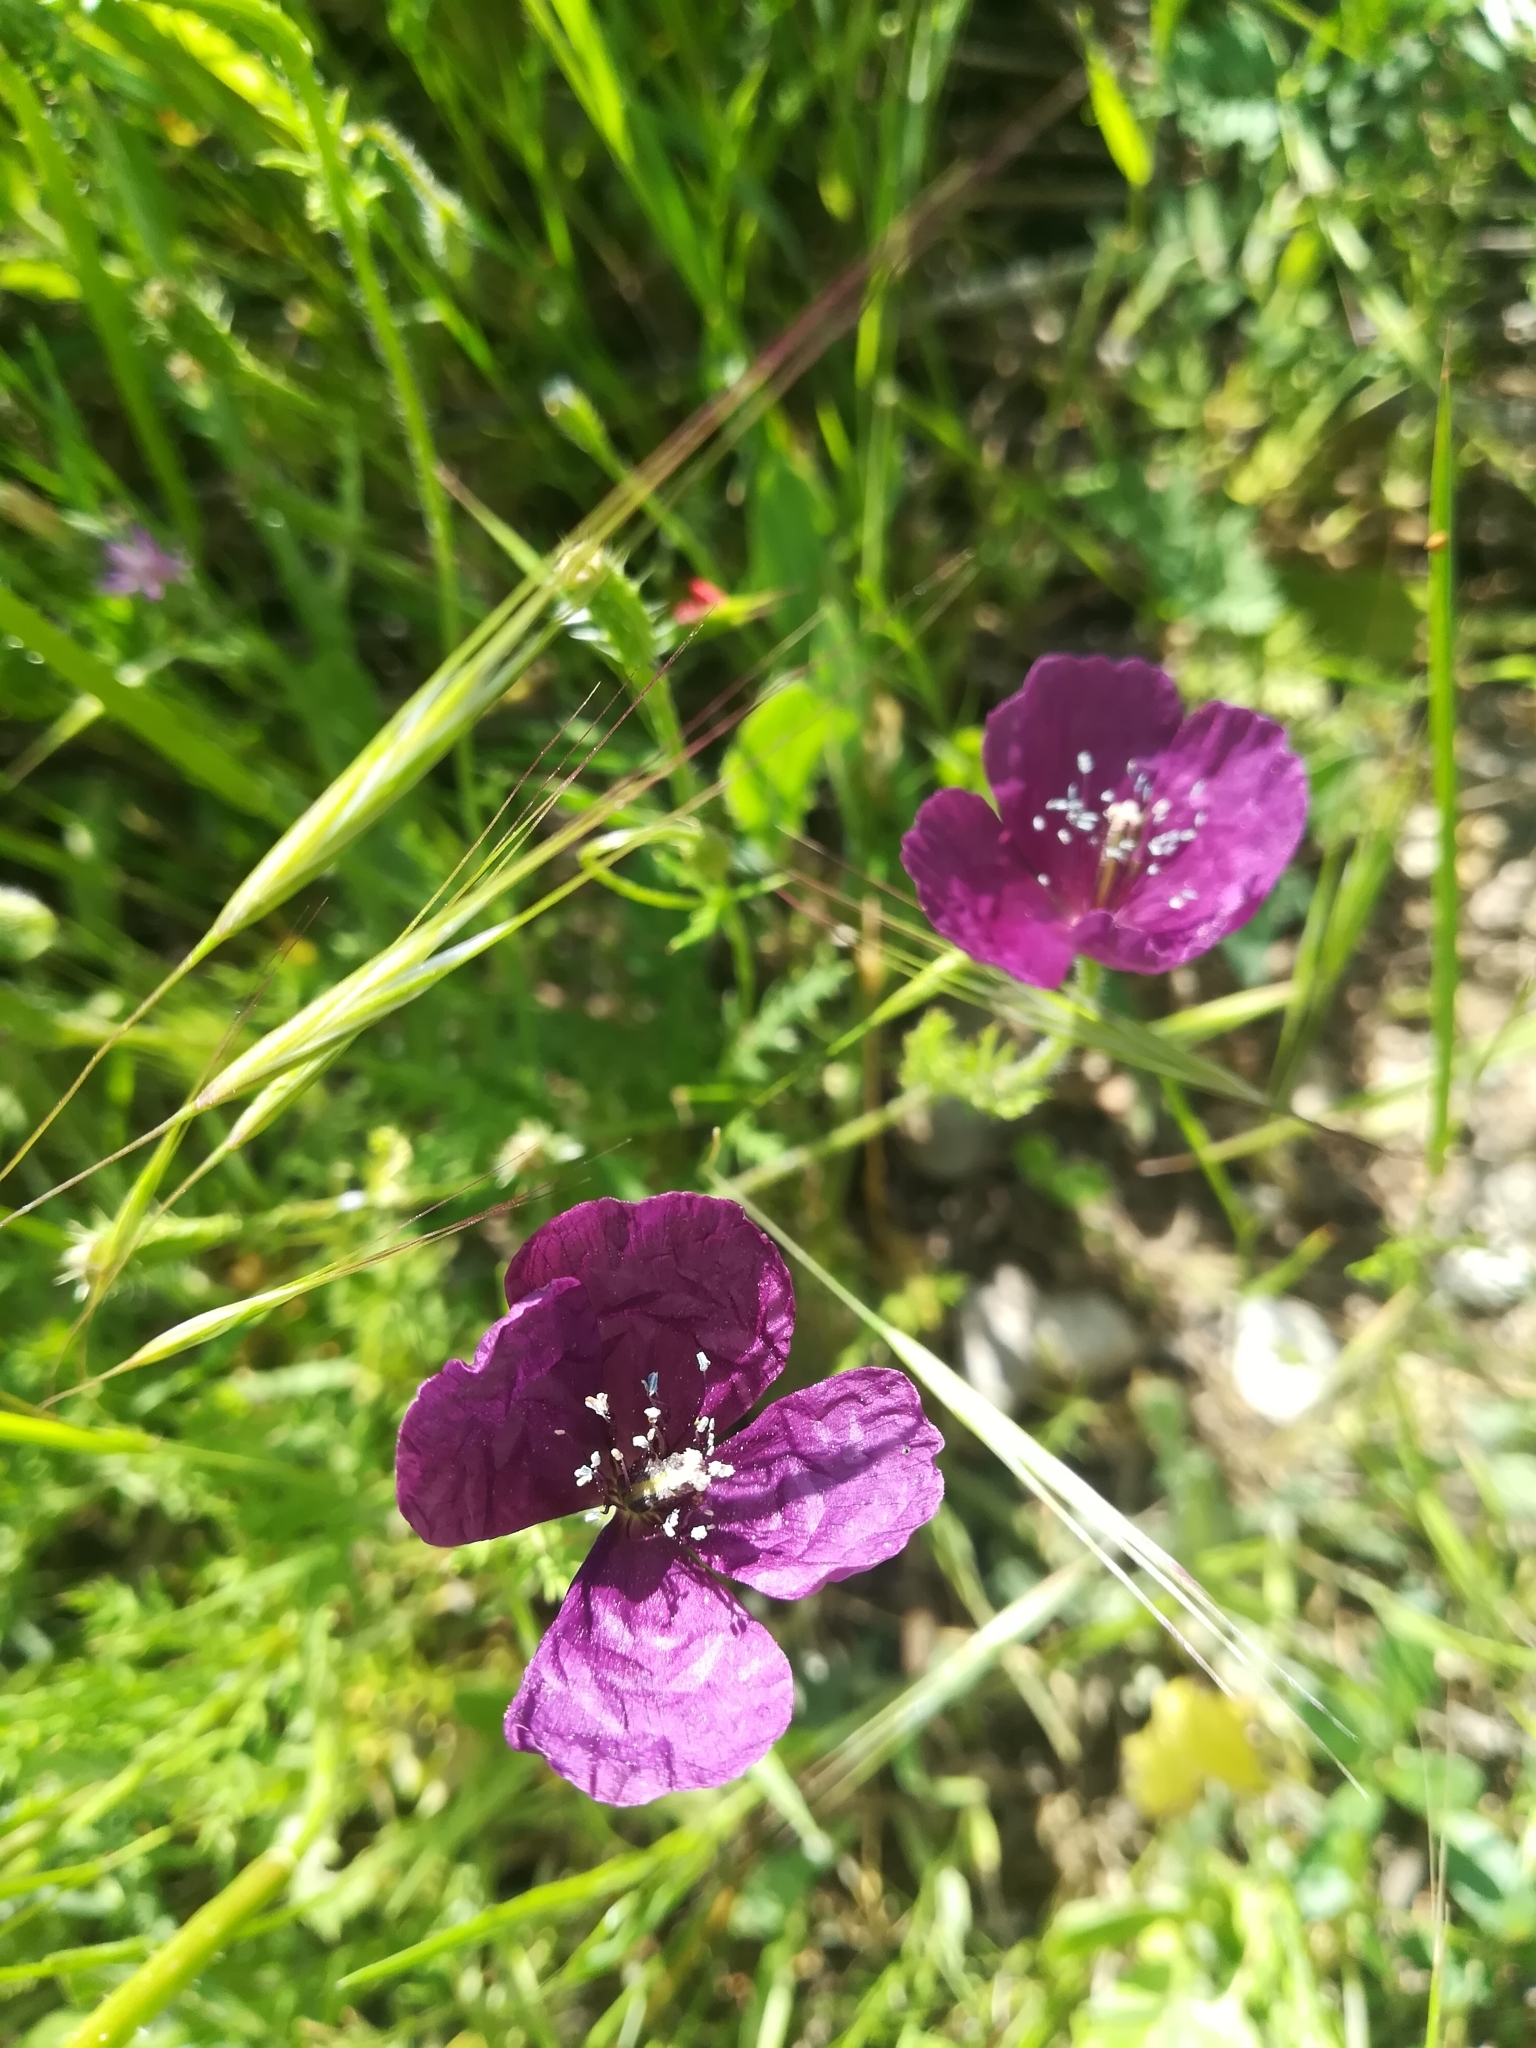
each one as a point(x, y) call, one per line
point(1080, 727)
point(1230, 781)
point(652, 1678)
point(139, 567)
point(976, 891)
point(495, 1446)
point(827, 1482)
point(669, 1278)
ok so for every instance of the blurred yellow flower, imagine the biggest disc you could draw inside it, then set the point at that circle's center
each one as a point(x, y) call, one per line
point(1195, 1734)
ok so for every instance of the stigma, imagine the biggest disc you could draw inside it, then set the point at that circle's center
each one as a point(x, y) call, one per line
point(1123, 822)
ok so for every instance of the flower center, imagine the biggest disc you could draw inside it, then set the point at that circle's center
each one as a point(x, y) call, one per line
point(1128, 832)
point(649, 1479)
point(683, 1472)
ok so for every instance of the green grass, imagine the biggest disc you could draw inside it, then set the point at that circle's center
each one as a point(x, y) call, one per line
point(409, 874)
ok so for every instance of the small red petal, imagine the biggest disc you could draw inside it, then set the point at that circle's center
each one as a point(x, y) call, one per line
point(702, 598)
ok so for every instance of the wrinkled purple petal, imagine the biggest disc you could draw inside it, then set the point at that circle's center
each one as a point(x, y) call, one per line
point(976, 892)
point(1080, 724)
point(827, 1482)
point(652, 1678)
point(1231, 780)
point(495, 1446)
point(669, 1278)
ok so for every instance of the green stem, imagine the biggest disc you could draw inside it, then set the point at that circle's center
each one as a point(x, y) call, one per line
point(431, 496)
point(1444, 963)
point(1244, 1225)
point(192, 1947)
point(735, 928)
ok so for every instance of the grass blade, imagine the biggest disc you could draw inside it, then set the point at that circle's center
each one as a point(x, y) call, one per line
point(105, 302)
point(1444, 969)
point(178, 734)
point(859, 1755)
point(41, 1432)
point(683, 1848)
point(75, 1962)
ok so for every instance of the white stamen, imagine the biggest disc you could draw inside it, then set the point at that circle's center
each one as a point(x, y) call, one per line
point(1044, 881)
point(718, 1469)
point(617, 1453)
point(594, 1514)
point(669, 1526)
point(651, 1414)
point(1039, 824)
point(1200, 817)
point(1065, 837)
point(699, 1533)
point(583, 1475)
point(703, 1361)
point(639, 1442)
point(701, 1424)
point(1168, 842)
point(1197, 790)
point(598, 1403)
point(1085, 762)
point(650, 1384)
point(1160, 810)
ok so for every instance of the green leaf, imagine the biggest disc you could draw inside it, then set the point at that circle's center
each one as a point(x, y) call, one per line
point(38, 280)
point(1431, 1782)
point(27, 926)
point(771, 768)
point(988, 1071)
point(1121, 131)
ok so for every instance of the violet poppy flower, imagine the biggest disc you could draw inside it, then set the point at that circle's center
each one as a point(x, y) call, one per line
point(139, 567)
point(1123, 829)
point(636, 1333)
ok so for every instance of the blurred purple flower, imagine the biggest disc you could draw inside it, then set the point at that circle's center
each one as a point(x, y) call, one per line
point(1127, 831)
point(139, 567)
point(636, 1331)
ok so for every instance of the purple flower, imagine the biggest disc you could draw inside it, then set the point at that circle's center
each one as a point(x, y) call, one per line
point(1127, 831)
point(636, 1332)
point(140, 567)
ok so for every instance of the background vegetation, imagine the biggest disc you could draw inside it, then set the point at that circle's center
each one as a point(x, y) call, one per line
point(434, 338)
